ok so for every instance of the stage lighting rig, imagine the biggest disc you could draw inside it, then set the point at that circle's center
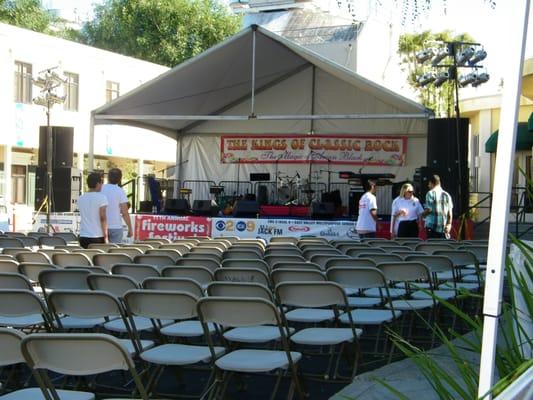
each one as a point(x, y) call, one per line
point(465, 55)
point(426, 79)
point(441, 78)
point(424, 55)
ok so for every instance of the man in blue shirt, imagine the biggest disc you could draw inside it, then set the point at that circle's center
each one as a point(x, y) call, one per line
point(438, 210)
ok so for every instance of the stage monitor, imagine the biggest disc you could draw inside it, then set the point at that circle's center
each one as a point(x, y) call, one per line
point(256, 177)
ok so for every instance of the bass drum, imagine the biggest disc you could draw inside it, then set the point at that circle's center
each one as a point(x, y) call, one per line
point(284, 194)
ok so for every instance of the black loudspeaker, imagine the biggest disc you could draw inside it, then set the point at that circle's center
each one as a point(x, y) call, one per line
point(66, 187)
point(62, 146)
point(204, 207)
point(177, 206)
point(447, 156)
point(246, 209)
point(145, 206)
point(254, 177)
point(332, 197)
point(262, 195)
point(353, 206)
point(322, 210)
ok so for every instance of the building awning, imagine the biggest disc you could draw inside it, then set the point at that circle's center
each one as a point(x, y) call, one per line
point(524, 139)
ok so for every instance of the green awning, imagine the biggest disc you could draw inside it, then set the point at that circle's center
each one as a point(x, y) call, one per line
point(524, 140)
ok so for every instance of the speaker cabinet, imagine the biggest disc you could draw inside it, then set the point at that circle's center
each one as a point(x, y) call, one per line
point(204, 207)
point(259, 176)
point(177, 206)
point(246, 209)
point(322, 210)
point(62, 146)
point(353, 205)
point(262, 194)
point(66, 187)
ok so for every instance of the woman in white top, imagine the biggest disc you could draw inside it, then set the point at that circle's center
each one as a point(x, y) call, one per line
point(406, 213)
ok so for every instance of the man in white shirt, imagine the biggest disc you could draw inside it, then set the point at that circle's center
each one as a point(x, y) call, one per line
point(92, 206)
point(117, 206)
point(368, 212)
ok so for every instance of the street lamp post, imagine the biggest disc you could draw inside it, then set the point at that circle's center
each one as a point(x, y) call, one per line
point(48, 80)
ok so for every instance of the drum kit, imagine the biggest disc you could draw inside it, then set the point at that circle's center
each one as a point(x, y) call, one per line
point(289, 188)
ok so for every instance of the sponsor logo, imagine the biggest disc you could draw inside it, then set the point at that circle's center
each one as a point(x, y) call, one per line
point(241, 226)
point(329, 232)
point(269, 230)
point(220, 225)
point(293, 228)
point(352, 233)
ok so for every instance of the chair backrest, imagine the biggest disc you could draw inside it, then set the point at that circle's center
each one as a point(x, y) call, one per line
point(214, 251)
point(102, 246)
point(479, 250)
point(239, 289)
point(13, 251)
point(9, 266)
point(381, 258)
point(64, 279)
point(405, 271)
point(141, 246)
point(294, 251)
point(406, 253)
point(284, 239)
point(397, 247)
point(311, 294)
point(84, 304)
point(200, 274)
point(20, 303)
point(434, 263)
point(356, 252)
point(296, 275)
point(271, 259)
point(242, 253)
point(254, 275)
point(67, 236)
point(32, 270)
point(8, 257)
point(357, 277)
point(33, 257)
point(129, 251)
point(202, 256)
point(181, 247)
point(157, 260)
point(95, 353)
point(308, 253)
point(322, 259)
point(117, 285)
point(73, 259)
point(137, 272)
point(29, 241)
point(107, 260)
point(11, 242)
point(9, 280)
point(52, 241)
point(208, 263)
point(88, 252)
point(161, 304)
point(459, 258)
point(245, 263)
point(296, 265)
point(172, 253)
point(37, 235)
point(350, 262)
point(344, 247)
point(430, 247)
point(208, 244)
point(174, 284)
point(10, 340)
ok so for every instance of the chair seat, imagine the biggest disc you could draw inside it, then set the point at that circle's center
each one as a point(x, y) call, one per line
point(128, 345)
point(363, 302)
point(256, 360)
point(350, 291)
point(36, 394)
point(473, 278)
point(414, 285)
point(186, 329)
point(445, 275)
point(460, 285)
point(80, 323)
point(473, 266)
point(310, 315)
point(324, 336)
point(408, 305)
point(369, 316)
point(254, 334)
point(376, 292)
point(179, 354)
point(22, 322)
point(141, 324)
point(443, 294)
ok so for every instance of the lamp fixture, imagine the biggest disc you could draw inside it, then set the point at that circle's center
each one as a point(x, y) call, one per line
point(424, 55)
point(426, 79)
point(465, 55)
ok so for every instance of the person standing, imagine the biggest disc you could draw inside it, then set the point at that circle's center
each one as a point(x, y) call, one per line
point(117, 207)
point(438, 210)
point(92, 206)
point(406, 213)
point(368, 212)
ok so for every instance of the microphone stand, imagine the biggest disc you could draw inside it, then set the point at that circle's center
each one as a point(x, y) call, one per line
point(238, 176)
point(328, 171)
point(277, 178)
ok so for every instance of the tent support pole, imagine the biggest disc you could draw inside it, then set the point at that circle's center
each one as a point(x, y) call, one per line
point(501, 197)
point(313, 87)
point(252, 100)
point(177, 168)
point(91, 143)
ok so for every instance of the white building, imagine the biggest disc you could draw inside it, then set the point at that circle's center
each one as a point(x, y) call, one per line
point(94, 77)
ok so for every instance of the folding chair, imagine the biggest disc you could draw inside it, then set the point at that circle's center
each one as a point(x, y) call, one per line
point(177, 306)
point(344, 247)
point(254, 275)
point(11, 242)
point(279, 251)
point(356, 252)
point(221, 245)
point(157, 260)
point(271, 259)
point(137, 272)
point(107, 260)
point(129, 251)
point(73, 259)
point(212, 251)
point(51, 241)
point(23, 309)
point(322, 296)
point(174, 284)
point(37, 235)
point(466, 264)
point(102, 246)
point(156, 242)
point(350, 262)
point(296, 265)
point(9, 266)
point(381, 257)
point(13, 251)
point(308, 253)
point(430, 247)
point(200, 274)
point(442, 270)
point(245, 263)
point(347, 277)
point(296, 275)
point(29, 241)
point(208, 263)
point(69, 279)
point(321, 259)
point(141, 246)
point(67, 236)
point(172, 253)
point(284, 239)
point(9, 280)
point(231, 312)
point(33, 257)
point(117, 285)
point(181, 247)
point(32, 270)
point(395, 248)
point(88, 252)
point(242, 253)
point(8, 257)
point(95, 354)
point(202, 256)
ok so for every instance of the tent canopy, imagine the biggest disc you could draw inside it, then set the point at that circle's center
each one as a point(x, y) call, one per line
point(215, 85)
point(524, 139)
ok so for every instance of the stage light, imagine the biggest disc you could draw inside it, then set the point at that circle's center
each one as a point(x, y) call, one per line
point(465, 55)
point(479, 55)
point(481, 78)
point(441, 78)
point(424, 55)
point(467, 79)
point(441, 55)
point(40, 101)
point(426, 79)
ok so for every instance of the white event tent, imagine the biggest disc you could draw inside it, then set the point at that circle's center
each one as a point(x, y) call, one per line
point(258, 83)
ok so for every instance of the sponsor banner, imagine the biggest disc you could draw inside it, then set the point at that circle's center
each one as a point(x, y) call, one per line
point(268, 228)
point(337, 149)
point(59, 223)
point(170, 226)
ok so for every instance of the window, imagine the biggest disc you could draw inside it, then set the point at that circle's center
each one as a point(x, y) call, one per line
point(18, 182)
point(23, 82)
point(112, 91)
point(71, 91)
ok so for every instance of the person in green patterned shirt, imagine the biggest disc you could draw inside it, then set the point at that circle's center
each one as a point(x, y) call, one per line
point(438, 210)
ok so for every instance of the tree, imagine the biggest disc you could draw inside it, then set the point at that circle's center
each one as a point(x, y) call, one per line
point(440, 99)
point(162, 31)
point(27, 14)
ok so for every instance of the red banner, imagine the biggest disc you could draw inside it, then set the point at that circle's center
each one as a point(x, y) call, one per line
point(295, 149)
point(170, 227)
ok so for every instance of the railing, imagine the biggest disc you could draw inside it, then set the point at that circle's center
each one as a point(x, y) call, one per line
point(130, 187)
